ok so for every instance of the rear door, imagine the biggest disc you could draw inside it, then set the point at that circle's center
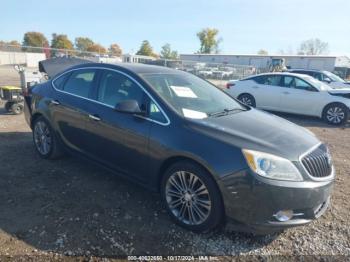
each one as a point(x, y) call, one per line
point(299, 97)
point(267, 91)
point(69, 108)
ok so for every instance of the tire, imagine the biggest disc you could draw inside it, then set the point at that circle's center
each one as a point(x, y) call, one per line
point(53, 149)
point(335, 114)
point(8, 106)
point(17, 109)
point(247, 99)
point(207, 207)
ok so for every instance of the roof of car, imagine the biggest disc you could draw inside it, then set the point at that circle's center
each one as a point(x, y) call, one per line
point(134, 67)
point(280, 73)
point(306, 70)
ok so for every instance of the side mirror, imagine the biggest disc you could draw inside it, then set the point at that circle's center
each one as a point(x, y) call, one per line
point(129, 107)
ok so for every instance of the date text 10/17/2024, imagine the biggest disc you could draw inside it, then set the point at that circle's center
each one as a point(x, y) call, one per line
point(172, 258)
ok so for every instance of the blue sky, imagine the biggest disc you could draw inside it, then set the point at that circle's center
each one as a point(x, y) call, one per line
point(245, 26)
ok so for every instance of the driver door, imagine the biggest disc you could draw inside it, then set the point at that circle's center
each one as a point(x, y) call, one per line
point(116, 139)
point(299, 97)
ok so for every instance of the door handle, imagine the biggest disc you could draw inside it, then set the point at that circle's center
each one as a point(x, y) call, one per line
point(94, 117)
point(54, 102)
point(255, 87)
point(286, 93)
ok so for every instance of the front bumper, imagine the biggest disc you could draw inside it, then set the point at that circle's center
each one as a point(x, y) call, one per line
point(252, 201)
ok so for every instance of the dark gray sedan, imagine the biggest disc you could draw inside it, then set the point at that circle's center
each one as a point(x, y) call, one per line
point(212, 158)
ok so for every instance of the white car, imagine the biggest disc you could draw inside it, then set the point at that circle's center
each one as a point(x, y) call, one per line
point(293, 93)
point(329, 78)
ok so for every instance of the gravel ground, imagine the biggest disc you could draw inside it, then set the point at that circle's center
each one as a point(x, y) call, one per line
point(71, 207)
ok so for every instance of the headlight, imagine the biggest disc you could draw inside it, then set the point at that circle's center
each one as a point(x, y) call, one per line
point(271, 166)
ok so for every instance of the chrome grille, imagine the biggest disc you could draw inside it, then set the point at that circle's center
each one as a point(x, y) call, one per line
point(318, 162)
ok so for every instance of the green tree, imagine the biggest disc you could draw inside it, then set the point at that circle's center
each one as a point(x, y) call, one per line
point(263, 52)
point(167, 53)
point(313, 47)
point(146, 49)
point(115, 50)
point(83, 43)
point(209, 43)
point(97, 48)
point(34, 39)
point(61, 42)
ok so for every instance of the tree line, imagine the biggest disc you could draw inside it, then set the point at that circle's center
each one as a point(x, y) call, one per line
point(208, 37)
point(33, 41)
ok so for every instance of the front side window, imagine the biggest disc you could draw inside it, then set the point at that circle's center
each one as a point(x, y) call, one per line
point(191, 96)
point(115, 88)
point(288, 81)
point(334, 77)
point(80, 82)
point(155, 113)
point(302, 85)
point(318, 76)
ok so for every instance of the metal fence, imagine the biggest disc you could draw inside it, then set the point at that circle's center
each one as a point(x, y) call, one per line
point(218, 73)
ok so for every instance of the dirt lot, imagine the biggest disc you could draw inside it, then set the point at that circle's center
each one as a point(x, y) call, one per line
point(71, 207)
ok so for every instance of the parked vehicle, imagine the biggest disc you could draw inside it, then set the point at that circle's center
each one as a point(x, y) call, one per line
point(13, 97)
point(205, 72)
point(329, 78)
point(211, 158)
point(293, 93)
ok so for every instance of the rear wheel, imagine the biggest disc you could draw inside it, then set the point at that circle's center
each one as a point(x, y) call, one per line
point(192, 197)
point(45, 141)
point(247, 99)
point(17, 108)
point(335, 114)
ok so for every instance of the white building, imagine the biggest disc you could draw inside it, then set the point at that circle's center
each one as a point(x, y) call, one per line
point(129, 58)
point(262, 61)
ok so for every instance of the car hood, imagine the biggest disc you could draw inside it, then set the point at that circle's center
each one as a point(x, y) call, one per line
point(340, 91)
point(339, 85)
point(260, 131)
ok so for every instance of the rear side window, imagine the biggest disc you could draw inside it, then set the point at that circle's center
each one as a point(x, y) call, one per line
point(80, 82)
point(258, 79)
point(59, 82)
point(271, 80)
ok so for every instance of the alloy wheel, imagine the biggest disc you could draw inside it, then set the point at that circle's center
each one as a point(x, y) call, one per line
point(188, 198)
point(42, 137)
point(247, 100)
point(335, 115)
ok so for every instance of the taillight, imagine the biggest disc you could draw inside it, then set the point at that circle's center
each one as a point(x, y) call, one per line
point(229, 85)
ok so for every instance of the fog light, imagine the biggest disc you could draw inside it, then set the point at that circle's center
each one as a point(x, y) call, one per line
point(284, 215)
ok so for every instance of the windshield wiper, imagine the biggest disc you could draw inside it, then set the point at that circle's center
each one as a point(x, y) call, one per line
point(225, 112)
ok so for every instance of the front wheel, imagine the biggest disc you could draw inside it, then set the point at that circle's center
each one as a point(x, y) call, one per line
point(335, 114)
point(247, 99)
point(192, 197)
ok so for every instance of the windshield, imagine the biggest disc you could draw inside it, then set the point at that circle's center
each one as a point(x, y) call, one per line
point(334, 77)
point(191, 96)
point(316, 83)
